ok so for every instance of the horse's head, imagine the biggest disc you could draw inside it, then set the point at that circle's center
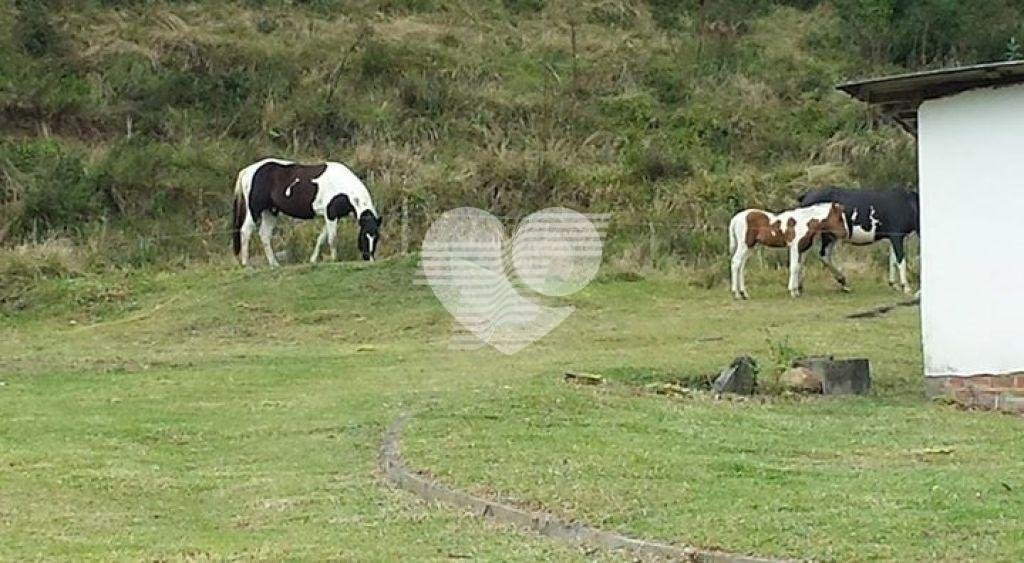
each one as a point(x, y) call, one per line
point(835, 221)
point(369, 234)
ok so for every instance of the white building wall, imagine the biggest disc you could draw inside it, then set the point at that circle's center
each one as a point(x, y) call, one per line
point(971, 158)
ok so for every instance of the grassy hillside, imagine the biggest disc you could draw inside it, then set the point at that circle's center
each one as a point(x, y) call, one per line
point(123, 123)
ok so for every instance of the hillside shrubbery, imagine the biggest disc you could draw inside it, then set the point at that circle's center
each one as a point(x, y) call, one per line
point(128, 120)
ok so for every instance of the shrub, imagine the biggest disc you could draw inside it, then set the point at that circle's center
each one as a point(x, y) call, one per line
point(425, 94)
point(51, 185)
point(651, 162)
point(517, 183)
point(324, 124)
point(379, 60)
point(34, 31)
point(613, 13)
point(23, 266)
point(524, 6)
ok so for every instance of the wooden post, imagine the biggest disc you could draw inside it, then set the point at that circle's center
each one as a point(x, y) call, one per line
point(572, 37)
point(405, 225)
point(700, 27)
point(651, 245)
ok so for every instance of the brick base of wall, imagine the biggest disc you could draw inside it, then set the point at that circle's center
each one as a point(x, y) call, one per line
point(991, 392)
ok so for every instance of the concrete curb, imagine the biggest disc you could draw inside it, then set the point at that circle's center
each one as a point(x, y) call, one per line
point(574, 533)
point(879, 311)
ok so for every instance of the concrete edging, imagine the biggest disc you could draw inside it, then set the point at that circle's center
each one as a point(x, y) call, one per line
point(879, 311)
point(575, 533)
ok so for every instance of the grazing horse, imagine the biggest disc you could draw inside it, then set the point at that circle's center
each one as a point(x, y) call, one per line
point(304, 191)
point(794, 229)
point(872, 215)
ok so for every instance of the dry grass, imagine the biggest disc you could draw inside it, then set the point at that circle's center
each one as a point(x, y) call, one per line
point(472, 105)
point(55, 257)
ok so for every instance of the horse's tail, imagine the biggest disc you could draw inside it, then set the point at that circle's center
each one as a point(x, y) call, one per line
point(238, 215)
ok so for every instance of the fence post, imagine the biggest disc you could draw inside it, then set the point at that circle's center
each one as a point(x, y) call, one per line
point(651, 245)
point(572, 39)
point(405, 226)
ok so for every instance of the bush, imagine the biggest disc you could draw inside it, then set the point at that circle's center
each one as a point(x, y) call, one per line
point(23, 266)
point(379, 60)
point(426, 95)
point(34, 31)
point(651, 162)
point(324, 124)
point(613, 13)
point(523, 6)
point(926, 33)
point(518, 183)
point(51, 186)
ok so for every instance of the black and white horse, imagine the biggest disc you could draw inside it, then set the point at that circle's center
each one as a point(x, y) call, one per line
point(304, 191)
point(871, 215)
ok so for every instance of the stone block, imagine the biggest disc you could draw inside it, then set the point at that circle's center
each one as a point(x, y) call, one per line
point(839, 377)
point(847, 377)
point(801, 380)
point(740, 377)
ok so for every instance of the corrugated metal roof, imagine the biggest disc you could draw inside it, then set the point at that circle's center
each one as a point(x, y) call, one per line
point(901, 94)
point(920, 86)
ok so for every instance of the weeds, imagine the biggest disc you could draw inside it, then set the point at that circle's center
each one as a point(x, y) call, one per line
point(137, 115)
point(781, 355)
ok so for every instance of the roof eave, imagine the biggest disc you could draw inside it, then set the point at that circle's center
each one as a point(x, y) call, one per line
point(920, 86)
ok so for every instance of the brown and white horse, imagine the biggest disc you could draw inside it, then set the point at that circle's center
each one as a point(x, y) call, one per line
point(794, 229)
point(304, 191)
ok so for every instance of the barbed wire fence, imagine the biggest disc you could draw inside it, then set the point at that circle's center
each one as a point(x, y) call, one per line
point(687, 240)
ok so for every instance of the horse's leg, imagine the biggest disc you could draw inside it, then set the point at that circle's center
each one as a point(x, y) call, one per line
point(319, 243)
point(245, 233)
point(794, 269)
point(331, 228)
point(267, 221)
point(800, 278)
point(739, 256)
point(892, 264)
point(743, 272)
point(898, 260)
point(828, 246)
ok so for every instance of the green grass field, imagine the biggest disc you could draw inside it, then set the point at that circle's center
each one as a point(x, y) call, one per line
point(218, 413)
